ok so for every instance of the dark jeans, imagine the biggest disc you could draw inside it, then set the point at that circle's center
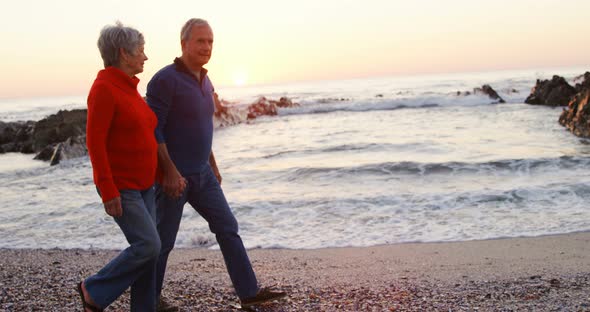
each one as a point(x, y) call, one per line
point(204, 194)
point(136, 265)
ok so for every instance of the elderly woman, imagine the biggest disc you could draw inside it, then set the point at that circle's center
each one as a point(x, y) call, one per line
point(123, 152)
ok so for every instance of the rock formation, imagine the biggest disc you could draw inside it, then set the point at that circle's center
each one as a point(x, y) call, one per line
point(489, 91)
point(582, 82)
point(62, 136)
point(227, 114)
point(262, 107)
point(42, 137)
point(486, 90)
point(16, 137)
point(554, 92)
point(576, 117)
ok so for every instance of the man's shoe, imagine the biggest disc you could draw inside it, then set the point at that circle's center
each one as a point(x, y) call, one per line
point(263, 295)
point(165, 306)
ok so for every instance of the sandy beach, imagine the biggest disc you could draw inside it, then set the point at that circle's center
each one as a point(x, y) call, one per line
point(550, 273)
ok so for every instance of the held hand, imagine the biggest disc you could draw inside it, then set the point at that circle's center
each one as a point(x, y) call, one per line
point(113, 207)
point(183, 183)
point(173, 184)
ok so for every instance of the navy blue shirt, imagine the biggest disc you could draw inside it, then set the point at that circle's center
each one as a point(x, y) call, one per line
point(184, 107)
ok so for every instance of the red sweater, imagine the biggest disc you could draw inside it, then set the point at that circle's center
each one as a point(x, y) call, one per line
point(120, 135)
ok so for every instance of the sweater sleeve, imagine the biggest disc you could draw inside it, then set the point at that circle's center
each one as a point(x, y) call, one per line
point(101, 109)
point(159, 95)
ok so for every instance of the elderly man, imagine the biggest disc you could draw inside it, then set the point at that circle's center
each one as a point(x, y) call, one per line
point(182, 97)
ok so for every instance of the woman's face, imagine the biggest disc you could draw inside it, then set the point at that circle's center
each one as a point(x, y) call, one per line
point(135, 61)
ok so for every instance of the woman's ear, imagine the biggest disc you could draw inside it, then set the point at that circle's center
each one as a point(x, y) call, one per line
point(123, 55)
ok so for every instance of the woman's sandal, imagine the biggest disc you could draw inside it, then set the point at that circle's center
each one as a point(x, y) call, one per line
point(85, 304)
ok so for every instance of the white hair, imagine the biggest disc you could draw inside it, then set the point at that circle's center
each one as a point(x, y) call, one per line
point(114, 37)
point(185, 32)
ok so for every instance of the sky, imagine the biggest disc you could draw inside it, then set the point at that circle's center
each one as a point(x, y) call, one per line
point(49, 47)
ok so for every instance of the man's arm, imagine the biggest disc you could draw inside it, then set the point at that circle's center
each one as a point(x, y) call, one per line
point(214, 166)
point(172, 181)
point(159, 96)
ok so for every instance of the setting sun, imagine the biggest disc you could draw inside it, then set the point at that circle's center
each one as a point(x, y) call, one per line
point(240, 78)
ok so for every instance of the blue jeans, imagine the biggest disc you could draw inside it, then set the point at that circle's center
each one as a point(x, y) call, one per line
point(205, 195)
point(136, 265)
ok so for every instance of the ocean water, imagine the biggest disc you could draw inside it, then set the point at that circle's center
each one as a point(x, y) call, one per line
point(361, 162)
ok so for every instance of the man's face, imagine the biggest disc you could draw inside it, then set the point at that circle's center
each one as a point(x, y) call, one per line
point(196, 50)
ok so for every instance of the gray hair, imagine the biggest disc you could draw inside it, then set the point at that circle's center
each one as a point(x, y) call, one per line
point(185, 32)
point(114, 37)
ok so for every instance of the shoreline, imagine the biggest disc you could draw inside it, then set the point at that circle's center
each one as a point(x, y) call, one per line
point(542, 273)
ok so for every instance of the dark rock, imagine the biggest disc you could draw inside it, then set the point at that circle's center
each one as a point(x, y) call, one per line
point(554, 92)
point(34, 137)
point(7, 132)
point(284, 102)
point(486, 90)
point(27, 148)
point(25, 132)
point(46, 153)
point(220, 108)
point(6, 148)
point(463, 93)
point(72, 148)
point(16, 137)
point(582, 82)
point(225, 114)
point(59, 127)
point(262, 107)
point(330, 100)
point(576, 117)
point(489, 91)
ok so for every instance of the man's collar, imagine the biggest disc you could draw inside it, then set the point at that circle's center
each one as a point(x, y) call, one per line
point(181, 67)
